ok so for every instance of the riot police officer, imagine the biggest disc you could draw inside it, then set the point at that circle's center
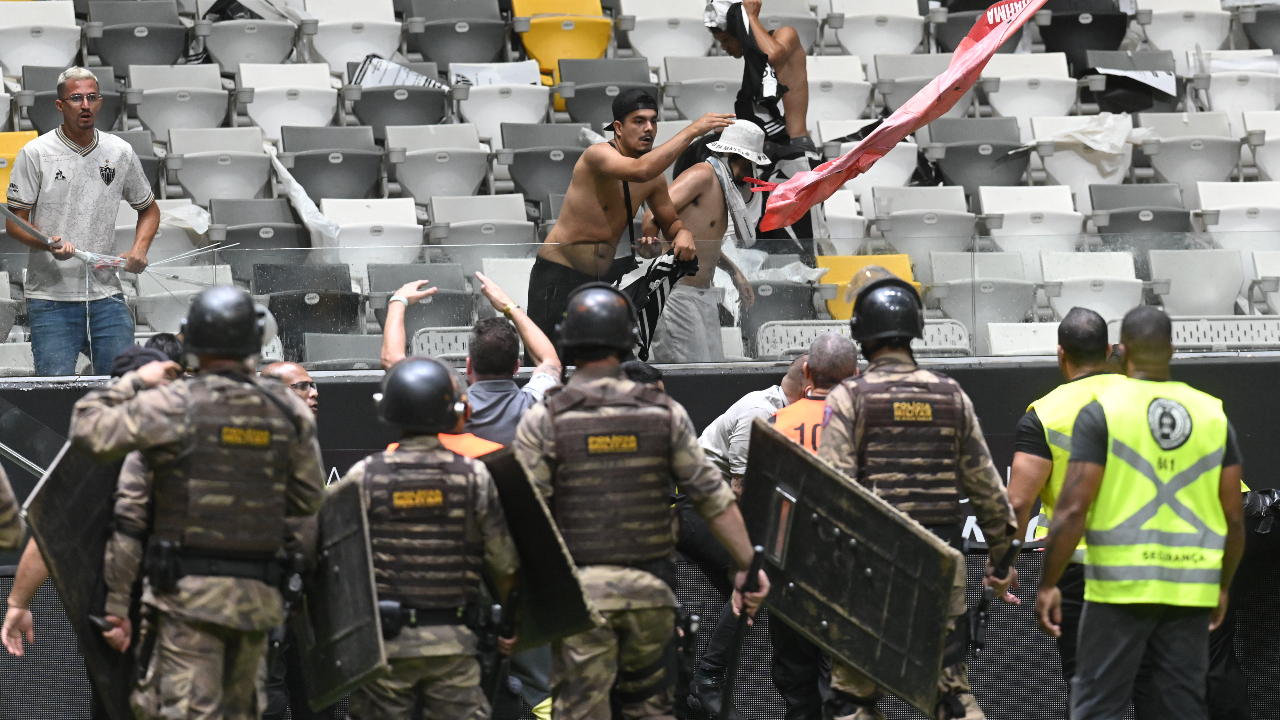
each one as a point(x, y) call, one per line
point(605, 452)
point(435, 523)
point(234, 487)
point(910, 435)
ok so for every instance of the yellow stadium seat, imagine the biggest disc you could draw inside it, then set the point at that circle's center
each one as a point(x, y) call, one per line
point(563, 29)
point(10, 144)
point(841, 268)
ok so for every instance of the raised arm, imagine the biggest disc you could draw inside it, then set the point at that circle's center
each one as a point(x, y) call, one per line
point(773, 46)
point(393, 339)
point(108, 423)
point(604, 160)
point(535, 341)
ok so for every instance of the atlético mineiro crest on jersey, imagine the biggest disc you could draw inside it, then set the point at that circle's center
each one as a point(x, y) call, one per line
point(108, 173)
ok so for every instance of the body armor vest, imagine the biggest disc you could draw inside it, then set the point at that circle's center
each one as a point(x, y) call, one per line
point(426, 550)
point(613, 481)
point(909, 454)
point(220, 491)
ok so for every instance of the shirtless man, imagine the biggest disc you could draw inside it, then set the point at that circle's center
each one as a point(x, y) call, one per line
point(774, 69)
point(582, 245)
point(689, 329)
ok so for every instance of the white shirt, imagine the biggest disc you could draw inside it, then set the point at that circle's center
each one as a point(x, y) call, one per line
point(726, 439)
point(75, 193)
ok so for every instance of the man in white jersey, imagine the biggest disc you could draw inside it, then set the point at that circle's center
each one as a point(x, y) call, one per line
point(68, 183)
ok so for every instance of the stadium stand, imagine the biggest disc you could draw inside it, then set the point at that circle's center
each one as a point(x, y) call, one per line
point(222, 163)
point(39, 92)
point(453, 32)
point(398, 104)
point(143, 32)
point(177, 96)
point(38, 33)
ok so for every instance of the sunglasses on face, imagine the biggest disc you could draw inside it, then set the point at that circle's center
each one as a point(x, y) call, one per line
point(304, 385)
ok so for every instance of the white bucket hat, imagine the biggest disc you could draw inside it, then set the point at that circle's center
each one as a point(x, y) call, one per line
point(743, 138)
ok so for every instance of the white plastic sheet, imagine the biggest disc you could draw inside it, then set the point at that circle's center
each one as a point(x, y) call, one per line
point(1107, 135)
point(324, 232)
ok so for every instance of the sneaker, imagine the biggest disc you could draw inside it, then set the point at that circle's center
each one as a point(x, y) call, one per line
point(704, 695)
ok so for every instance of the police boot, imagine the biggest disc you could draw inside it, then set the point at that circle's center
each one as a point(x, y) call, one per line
point(704, 694)
point(851, 707)
point(959, 706)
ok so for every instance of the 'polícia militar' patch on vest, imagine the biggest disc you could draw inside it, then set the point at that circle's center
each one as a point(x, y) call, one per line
point(417, 498)
point(612, 444)
point(251, 437)
point(1170, 423)
point(913, 412)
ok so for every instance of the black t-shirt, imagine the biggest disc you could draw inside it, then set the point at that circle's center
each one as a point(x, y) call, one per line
point(1028, 436)
point(1089, 438)
point(758, 98)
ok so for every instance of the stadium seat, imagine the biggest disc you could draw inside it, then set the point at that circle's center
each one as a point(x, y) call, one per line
point(333, 162)
point(978, 289)
point(163, 301)
point(470, 229)
point(10, 144)
point(668, 129)
point(501, 93)
point(1104, 282)
point(1027, 86)
point(541, 159)
point(1262, 26)
point(1201, 282)
point(143, 144)
point(38, 34)
point(1077, 27)
point(437, 159)
point(1034, 338)
point(262, 231)
point(1124, 92)
point(794, 14)
point(948, 34)
point(838, 89)
point(1266, 156)
point(842, 268)
point(920, 220)
point(1245, 217)
point(1032, 220)
point(845, 222)
point(1191, 147)
point(899, 77)
point(894, 169)
point(141, 32)
point(181, 96)
point(555, 30)
point(453, 304)
point(223, 163)
point(948, 266)
point(879, 27)
point(597, 82)
point(373, 232)
point(458, 32)
point(254, 40)
point(326, 351)
point(971, 152)
point(1146, 209)
point(1072, 163)
point(699, 85)
point(348, 31)
point(307, 298)
point(776, 300)
point(512, 275)
point(1183, 25)
point(40, 92)
point(1239, 81)
point(382, 105)
point(170, 239)
point(666, 28)
point(16, 359)
point(298, 95)
point(1266, 264)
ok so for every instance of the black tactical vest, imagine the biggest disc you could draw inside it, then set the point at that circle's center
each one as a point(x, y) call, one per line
point(220, 491)
point(426, 554)
point(613, 479)
point(909, 454)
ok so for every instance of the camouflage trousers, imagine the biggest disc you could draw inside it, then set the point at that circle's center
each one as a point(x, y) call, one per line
point(200, 671)
point(955, 678)
point(629, 650)
point(446, 686)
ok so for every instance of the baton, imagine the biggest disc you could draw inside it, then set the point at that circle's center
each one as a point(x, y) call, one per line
point(1000, 571)
point(506, 628)
point(751, 584)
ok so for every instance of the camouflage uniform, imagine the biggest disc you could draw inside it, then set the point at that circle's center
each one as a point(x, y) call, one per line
point(841, 438)
point(435, 664)
point(638, 607)
point(12, 528)
point(208, 636)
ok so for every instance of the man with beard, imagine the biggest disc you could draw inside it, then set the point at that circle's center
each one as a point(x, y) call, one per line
point(707, 196)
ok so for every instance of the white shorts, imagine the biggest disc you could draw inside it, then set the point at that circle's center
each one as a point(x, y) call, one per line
point(688, 330)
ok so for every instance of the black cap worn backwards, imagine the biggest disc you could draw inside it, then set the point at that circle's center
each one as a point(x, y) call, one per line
point(629, 101)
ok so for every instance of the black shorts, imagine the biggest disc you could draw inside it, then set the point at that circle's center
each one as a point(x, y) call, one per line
point(551, 284)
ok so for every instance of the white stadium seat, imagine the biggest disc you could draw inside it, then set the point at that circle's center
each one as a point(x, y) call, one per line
point(920, 220)
point(438, 159)
point(1191, 147)
point(471, 229)
point(1201, 282)
point(1076, 164)
point(177, 96)
point(348, 31)
point(667, 28)
point(879, 27)
point(699, 85)
point(1032, 220)
point(374, 231)
point(1027, 86)
point(1240, 81)
point(838, 89)
point(297, 95)
point(1184, 25)
point(1104, 282)
point(38, 33)
point(219, 163)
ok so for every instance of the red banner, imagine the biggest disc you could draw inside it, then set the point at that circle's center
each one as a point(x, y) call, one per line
point(790, 200)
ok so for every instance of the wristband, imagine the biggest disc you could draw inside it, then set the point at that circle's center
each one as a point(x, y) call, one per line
point(507, 310)
point(397, 298)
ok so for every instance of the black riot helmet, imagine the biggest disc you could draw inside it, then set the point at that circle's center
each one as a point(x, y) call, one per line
point(884, 307)
point(599, 315)
point(223, 320)
point(420, 395)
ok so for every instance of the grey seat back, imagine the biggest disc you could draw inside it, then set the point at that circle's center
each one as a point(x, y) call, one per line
point(433, 10)
point(135, 12)
point(1148, 61)
point(43, 81)
point(276, 211)
point(305, 139)
point(389, 278)
point(991, 130)
point(517, 136)
point(139, 140)
point(605, 70)
point(426, 68)
point(270, 278)
point(1144, 196)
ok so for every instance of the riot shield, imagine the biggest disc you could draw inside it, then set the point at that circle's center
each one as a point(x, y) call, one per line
point(70, 514)
point(553, 604)
point(860, 579)
point(339, 633)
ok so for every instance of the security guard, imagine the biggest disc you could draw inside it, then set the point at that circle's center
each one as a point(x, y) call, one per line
point(435, 522)
point(1153, 485)
point(235, 485)
point(605, 452)
point(1042, 446)
point(910, 435)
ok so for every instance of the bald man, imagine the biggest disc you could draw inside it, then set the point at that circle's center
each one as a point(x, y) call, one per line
point(298, 380)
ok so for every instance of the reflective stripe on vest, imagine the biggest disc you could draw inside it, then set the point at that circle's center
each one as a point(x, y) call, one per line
point(1156, 531)
point(1057, 412)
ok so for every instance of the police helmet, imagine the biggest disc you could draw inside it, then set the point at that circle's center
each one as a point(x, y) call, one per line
point(884, 307)
point(421, 395)
point(223, 320)
point(599, 315)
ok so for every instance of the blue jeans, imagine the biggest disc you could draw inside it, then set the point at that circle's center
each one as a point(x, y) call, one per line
point(58, 333)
